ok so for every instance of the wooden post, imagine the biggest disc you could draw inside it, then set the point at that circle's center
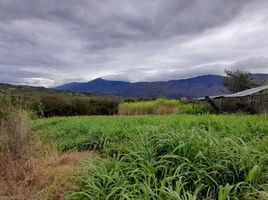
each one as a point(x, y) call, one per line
point(209, 100)
point(220, 104)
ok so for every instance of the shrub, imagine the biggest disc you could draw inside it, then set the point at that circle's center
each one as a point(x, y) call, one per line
point(31, 104)
point(103, 107)
point(80, 106)
point(55, 106)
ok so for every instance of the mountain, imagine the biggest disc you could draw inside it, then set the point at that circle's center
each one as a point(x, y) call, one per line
point(20, 90)
point(190, 88)
point(261, 78)
point(24, 89)
point(96, 86)
point(206, 85)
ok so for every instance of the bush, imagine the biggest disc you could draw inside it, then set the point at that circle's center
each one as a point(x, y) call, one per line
point(103, 107)
point(80, 106)
point(30, 104)
point(56, 105)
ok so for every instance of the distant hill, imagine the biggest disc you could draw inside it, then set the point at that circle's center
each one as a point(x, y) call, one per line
point(10, 89)
point(261, 78)
point(23, 89)
point(192, 87)
point(32, 91)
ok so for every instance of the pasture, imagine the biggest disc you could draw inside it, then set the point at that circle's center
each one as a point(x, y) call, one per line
point(165, 157)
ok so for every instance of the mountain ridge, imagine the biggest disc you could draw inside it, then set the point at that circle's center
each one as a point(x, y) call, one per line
point(204, 85)
point(170, 89)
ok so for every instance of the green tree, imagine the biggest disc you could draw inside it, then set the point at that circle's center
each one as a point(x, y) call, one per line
point(236, 81)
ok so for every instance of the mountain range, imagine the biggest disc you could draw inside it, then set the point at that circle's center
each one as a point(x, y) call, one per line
point(192, 87)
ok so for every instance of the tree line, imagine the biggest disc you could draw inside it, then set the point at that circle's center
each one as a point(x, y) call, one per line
point(58, 105)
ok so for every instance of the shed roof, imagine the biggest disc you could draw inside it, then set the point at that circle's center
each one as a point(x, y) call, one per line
point(240, 94)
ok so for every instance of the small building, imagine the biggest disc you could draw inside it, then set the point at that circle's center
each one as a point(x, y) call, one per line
point(253, 101)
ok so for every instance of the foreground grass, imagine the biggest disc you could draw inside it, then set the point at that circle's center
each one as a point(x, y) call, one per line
point(172, 157)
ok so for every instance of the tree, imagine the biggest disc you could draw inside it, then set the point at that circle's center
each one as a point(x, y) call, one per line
point(80, 106)
point(54, 105)
point(236, 81)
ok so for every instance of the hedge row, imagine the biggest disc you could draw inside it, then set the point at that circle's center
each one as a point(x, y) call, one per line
point(57, 105)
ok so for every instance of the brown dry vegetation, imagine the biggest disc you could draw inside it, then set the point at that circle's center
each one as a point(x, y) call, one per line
point(31, 170)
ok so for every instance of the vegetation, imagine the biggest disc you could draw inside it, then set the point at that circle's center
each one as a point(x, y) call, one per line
point(63, 105)
point(139, 157)
point(28, 168)
point(160, 106)
point(167, 157)
point(15, 148)
point(55, 105)
point(236, 81)
point(46, 103)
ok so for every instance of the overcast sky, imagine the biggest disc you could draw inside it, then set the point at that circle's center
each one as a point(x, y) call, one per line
point(50, 42)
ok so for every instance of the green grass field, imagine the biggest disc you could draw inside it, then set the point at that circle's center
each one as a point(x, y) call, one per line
point(166, 157)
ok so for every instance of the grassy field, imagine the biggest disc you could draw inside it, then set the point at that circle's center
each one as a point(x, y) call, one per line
point(166, 157)
point(158, 107)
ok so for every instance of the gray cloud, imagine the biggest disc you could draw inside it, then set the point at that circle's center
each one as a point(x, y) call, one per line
point(254, 65)
point(48, 42)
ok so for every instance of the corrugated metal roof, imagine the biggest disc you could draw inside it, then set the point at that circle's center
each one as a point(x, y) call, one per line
point(239, 94)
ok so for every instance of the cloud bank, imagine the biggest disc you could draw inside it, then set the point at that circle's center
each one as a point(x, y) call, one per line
point(48, 42)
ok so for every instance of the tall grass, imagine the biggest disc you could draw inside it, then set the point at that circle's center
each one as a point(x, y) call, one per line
point(159, 106)
point(169, 157)
point(29, 169)
point(188, 165)
point(15, 146)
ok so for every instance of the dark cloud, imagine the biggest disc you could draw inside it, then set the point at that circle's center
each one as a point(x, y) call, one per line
point(255, 65)
point(54, 41)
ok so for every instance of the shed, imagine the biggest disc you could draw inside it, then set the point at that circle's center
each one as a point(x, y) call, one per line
point(253, 100)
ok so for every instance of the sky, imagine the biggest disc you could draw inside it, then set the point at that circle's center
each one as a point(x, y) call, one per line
point(51, 42)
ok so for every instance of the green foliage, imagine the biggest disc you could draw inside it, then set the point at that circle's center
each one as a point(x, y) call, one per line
point(225, 192)
point(237, 81)
point(168, 157)
point(5, 106)
point(159, 106)
point(56, 105)
point(32, 105)
point(59, 104)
